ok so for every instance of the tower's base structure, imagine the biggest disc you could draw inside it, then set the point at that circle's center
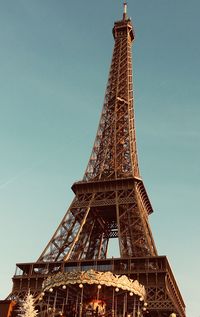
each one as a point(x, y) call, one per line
point(73, 277)
point(58, 294)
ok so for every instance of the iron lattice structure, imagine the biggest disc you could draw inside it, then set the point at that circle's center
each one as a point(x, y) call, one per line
point(110, 202)
point(112, 193)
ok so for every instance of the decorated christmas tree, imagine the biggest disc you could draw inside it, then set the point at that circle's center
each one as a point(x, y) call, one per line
point(27, 307)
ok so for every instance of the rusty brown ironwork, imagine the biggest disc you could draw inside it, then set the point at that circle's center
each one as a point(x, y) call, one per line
point(111, 193)
point(110, 202)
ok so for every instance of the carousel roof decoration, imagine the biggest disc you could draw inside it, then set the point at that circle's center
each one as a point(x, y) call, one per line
point(95, 277)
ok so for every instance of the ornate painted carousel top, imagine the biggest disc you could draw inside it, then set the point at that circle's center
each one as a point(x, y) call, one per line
point(95, 277)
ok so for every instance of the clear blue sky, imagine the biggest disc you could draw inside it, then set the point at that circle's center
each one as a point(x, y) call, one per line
point(54, 62)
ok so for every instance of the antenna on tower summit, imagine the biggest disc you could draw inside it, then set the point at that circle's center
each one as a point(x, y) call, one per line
point(125, 11)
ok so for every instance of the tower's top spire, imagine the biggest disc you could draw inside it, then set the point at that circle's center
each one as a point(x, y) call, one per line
point(125, 11)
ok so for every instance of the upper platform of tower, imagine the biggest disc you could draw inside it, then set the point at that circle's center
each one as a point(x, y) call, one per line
point(124, 27)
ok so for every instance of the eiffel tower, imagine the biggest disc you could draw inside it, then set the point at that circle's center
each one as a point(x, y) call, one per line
point(110, 202)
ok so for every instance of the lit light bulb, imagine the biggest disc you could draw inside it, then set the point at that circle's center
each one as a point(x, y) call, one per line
point(117, 289)
point(131, 293)
point(81, 285)
point(64, 287)
point(99, 286)
point(51, 290)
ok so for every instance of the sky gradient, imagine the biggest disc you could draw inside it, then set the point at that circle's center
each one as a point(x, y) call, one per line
point(54, 61)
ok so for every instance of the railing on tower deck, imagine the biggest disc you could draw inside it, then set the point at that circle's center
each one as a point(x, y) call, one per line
point(116, 265)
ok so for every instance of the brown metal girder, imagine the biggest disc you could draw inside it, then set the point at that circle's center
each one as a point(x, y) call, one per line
point(173, 289)
point(173, 281)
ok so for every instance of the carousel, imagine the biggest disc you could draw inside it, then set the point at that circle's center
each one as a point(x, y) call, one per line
point(91, 294)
